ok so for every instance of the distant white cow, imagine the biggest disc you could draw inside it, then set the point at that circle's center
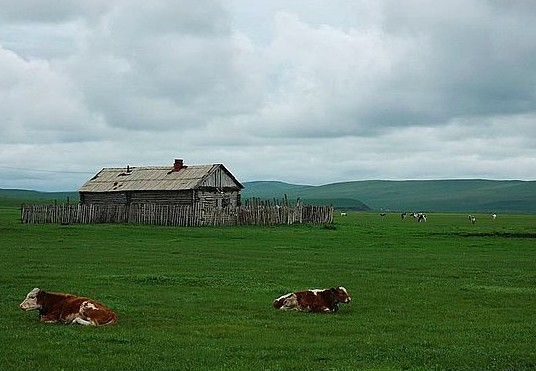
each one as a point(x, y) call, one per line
point(472, 219)
point(343, 213)
point(493, 216)
point(419, 217)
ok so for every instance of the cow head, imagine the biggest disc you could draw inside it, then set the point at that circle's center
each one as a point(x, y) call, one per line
point(30, 302)
point(341, 295)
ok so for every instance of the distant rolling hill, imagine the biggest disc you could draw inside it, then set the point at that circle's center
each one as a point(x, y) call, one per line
point(277, 190)
point(412, 195)
point(16, 197)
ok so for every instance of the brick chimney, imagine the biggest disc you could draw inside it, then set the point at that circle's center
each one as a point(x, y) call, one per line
point(179, 164)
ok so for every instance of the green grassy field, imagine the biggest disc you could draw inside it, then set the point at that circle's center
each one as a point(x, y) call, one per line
point(441, 295)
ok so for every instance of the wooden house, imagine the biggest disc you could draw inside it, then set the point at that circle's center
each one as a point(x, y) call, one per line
point(208, 186)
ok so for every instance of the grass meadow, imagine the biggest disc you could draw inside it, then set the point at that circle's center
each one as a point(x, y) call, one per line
point(441, 295)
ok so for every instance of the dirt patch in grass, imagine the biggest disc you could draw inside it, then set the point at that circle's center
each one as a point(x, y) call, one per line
point(500, 234)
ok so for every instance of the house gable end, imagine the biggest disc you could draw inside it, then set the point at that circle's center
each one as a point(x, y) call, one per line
point(220, 178)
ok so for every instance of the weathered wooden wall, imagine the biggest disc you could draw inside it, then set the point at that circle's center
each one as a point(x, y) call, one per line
point(157, 197)
point(256, 213)
point(161, 197)
point(218, 179)
point(104, 198)
point(208, 198)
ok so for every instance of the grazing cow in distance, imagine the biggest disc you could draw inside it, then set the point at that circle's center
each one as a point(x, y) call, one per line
point(419, 217)
point(383, 214)
point(493, 216)
point(322, 301)
point(65, 308)
point(472, 219)
point(343, 213)
point(403, 215)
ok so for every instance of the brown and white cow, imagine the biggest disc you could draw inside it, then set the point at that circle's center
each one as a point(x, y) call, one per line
point(66, 308)
point(325, 301)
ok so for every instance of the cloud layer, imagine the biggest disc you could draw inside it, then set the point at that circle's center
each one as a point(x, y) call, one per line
point(307, 92)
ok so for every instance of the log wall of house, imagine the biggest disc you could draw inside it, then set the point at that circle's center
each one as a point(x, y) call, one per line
point(104, 198)
point(217, 199)
point(149, 197)
point(162, 197)
point(208, 198)
point(214, 200)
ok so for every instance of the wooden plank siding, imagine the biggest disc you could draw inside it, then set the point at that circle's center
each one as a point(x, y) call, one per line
point(219, 179)
point(116, 198)
point(161, 197)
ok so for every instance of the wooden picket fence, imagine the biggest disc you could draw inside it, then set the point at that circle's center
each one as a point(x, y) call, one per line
point(254, 212)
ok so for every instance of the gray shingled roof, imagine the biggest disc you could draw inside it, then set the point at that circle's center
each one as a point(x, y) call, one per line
point(150, 178)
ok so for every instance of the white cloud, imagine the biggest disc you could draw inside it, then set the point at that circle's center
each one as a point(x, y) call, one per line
point(39, 105)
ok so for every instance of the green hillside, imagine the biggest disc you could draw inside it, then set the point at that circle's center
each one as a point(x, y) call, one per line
point(471, 195)
point(308, 194)
point(16, 197)
point(414, 195)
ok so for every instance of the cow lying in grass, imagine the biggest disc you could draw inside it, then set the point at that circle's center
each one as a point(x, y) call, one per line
point(65, 308)
point(324, 301)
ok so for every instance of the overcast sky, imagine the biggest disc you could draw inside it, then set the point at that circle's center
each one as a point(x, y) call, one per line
point(301, 91)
